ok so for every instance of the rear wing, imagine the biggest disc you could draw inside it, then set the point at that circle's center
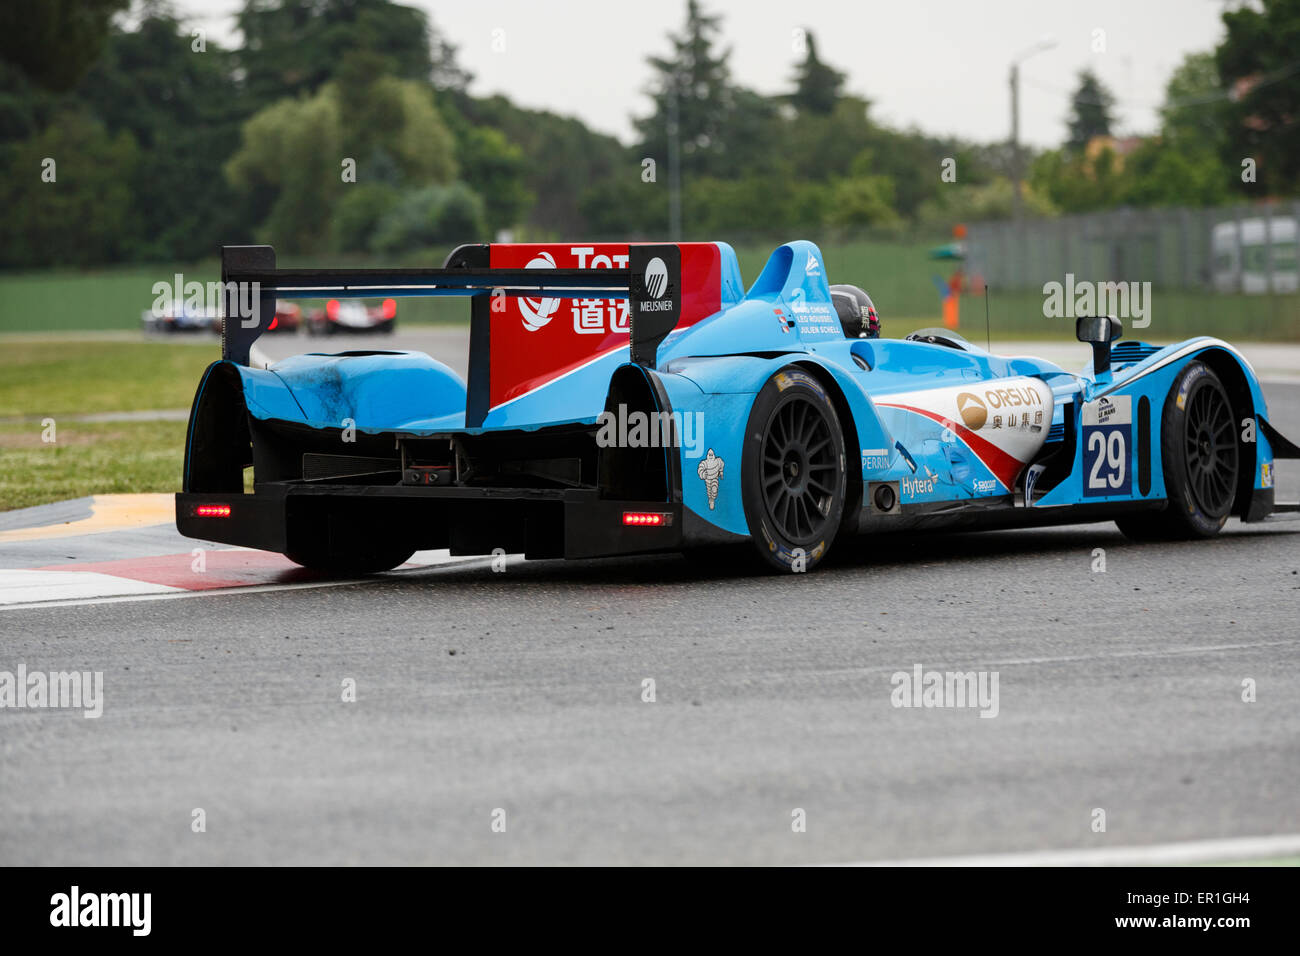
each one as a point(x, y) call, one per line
point(651, 284)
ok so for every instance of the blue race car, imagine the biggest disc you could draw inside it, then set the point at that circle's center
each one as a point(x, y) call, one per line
point(635, 398)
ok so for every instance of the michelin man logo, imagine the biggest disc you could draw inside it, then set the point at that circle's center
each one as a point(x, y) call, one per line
point(710, 471)
point(538, 312)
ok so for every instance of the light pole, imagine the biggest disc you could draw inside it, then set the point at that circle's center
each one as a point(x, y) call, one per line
point(1017, 200)
point(674, 165)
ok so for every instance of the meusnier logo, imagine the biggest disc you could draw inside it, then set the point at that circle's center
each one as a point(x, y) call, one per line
point(656, 278)
point(973, 411)
point(654, 281)
point(538, 312)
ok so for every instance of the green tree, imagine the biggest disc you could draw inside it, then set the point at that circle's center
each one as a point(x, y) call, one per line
point(1257, 61)
point(695, 84)
point(359, 212)
point(563, 164)
point(979, 202)
point(292, 151)
point(54, 42)
point(495, 169)
point(817, 86)
point(1090, 112)
point(293, 47)
point(85, 214)
point(1162, 173)
point(430, 217)
point(281, 155)
point(184, 109)
point(1196, 112)
point(1078, 183)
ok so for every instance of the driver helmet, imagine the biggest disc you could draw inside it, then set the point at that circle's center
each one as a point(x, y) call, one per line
point(857, 313)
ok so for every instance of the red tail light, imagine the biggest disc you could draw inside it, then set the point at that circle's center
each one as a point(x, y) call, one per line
point(212, 511)
point(647, 519)
point(332, 309)
point(275, 320)
point(390, 308)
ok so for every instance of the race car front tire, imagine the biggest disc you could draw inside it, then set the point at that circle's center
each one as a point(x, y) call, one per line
point(1198, 444)
point(793, 475)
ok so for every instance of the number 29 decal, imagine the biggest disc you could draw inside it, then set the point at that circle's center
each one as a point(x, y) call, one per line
point(1107, 447)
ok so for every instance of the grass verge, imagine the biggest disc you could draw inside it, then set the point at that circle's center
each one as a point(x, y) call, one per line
point(88, 459)
point(53, 378)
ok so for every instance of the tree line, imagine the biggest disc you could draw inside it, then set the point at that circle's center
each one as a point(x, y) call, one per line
point(347, 126)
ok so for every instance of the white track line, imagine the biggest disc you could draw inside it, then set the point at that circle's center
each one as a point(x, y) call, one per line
point(165, 593)
point(36, 587)
point(1239, 849)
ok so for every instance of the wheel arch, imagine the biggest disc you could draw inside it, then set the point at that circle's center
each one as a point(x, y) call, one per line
point(849, 429)
point(1239, 383)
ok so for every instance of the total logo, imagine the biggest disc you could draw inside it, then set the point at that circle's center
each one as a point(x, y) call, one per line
point(812, 267)
point(538, 312)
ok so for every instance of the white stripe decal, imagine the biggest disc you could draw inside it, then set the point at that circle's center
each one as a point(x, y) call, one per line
point(1196, 345)
point(606, 354)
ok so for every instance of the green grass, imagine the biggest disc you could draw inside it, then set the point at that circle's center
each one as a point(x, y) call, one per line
point(898, 274)
point(60, 379)
point(74, 377)
point(88, 459)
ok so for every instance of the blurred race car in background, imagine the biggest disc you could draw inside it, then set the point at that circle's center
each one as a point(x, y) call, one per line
point(352, 316)
point(179, 317)
point(288, 317)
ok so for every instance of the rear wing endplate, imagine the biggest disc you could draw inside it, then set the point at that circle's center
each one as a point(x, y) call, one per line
point(251, 284)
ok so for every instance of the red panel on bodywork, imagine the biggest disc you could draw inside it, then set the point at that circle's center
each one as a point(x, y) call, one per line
point(535, 341)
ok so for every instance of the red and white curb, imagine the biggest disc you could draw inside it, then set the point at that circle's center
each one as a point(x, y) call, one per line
point(180, 575)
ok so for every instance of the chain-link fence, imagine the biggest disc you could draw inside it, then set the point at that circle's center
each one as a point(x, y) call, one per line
point(1247, 249)
point(1229, 270)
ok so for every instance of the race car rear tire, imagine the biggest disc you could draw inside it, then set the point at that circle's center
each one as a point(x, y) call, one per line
point(793, 475)
point(1198, 443)
point(366, 562)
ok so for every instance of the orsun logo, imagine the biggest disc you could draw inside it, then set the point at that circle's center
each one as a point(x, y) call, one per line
point(538, 312)
point(972, 410)
point(656, 278)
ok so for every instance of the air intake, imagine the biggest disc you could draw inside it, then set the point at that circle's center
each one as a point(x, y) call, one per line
point(1130, 353)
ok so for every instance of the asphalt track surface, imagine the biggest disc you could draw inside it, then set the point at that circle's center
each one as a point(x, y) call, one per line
point(522, 690)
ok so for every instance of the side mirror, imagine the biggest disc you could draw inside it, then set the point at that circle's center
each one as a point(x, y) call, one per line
point(1099, 331)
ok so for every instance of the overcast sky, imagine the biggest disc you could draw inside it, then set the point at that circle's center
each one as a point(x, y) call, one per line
point(940, 65)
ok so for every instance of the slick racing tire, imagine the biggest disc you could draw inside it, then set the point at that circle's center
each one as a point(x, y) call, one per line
point(347, 565)
point(1198, 442)
point(793, 477)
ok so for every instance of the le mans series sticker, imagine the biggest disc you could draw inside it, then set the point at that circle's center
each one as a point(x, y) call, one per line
point(1107, 447)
